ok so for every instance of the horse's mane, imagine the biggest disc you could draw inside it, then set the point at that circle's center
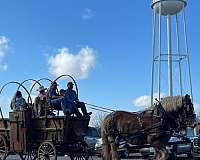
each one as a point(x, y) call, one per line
point(172, 103)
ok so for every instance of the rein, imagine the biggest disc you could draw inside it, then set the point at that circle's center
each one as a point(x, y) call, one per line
point(143, 131)
point(157, 112)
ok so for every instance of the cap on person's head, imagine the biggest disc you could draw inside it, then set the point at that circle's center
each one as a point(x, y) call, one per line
point(70, 83)
point(41, 88)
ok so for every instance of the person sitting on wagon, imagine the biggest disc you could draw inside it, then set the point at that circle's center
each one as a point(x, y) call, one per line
point(18, 102)
point(71, 102)
point(40, 101)
point(54, 98)
point(62, 92)
point(53, 94)
point(57, 101)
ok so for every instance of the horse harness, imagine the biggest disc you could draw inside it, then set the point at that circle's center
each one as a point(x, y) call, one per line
point(158, 111)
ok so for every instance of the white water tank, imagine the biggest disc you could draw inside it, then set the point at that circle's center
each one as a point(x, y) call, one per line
point(168, 7)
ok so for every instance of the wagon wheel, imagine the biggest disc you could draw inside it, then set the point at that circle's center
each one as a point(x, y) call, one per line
point(47, 151)
point(32, 155)
point(3, 148)
point(79, 157)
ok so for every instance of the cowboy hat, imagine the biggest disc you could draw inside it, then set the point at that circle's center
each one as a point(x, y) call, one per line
point(41, 88)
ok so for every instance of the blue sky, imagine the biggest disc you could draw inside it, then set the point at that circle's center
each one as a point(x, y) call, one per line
point(105, 44)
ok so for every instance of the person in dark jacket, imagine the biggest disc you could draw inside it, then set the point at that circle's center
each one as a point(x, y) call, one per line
point(52, 93)
point(71, 102)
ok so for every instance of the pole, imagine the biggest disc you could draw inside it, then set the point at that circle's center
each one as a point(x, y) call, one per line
point(179, 56)
point(153, 55)
point(188, 57)
point(159, 50)
point(169, 55)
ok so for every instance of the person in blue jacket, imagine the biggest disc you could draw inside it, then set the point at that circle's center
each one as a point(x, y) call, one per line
point(71, 102)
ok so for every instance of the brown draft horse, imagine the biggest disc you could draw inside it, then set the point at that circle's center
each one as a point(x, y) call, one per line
point(153, 126)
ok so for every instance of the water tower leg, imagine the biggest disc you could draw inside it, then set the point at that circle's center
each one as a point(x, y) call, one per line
point(153, 55)
point(188, 57)
point(169, 46)
point(159, 50)
point(179, 56)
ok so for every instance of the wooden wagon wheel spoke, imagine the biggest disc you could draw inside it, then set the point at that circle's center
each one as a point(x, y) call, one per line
point(50, 150)
point(33, 155)
point(3, 148)
point(43, 158)
point(1, 143)
point(43, 151)
point(47, 151)
point(79, 157)
point(51, 153)
point(28, 156)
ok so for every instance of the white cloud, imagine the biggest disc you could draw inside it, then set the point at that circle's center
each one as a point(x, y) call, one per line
point(142, 101)
point(87, 14)
point(3, 48)
point(78, 65)
point(145, 101)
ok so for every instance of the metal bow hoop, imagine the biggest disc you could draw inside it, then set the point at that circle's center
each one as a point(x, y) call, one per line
point(47, 79)
point(27, 81)
point(14, 82)
point(67, 75)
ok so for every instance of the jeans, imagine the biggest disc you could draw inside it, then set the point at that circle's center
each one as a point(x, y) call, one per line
point(56, 103)
point(71, 107)
point(66, 107)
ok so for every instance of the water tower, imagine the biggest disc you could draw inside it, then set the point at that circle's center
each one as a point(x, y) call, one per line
point(170, 46)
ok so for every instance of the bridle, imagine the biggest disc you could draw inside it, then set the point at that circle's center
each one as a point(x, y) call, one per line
point(186, 115)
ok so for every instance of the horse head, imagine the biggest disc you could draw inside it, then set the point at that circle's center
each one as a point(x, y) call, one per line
point(186, 112)
point(181, 109)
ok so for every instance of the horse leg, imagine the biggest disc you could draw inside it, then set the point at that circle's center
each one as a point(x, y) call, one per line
point(114, 151)
point(165, 154)
point(157, 154)
point(105, 148)
point(161, 153)
point(106, 155)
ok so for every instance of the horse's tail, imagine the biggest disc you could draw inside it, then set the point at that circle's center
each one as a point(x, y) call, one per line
point(106, 155)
